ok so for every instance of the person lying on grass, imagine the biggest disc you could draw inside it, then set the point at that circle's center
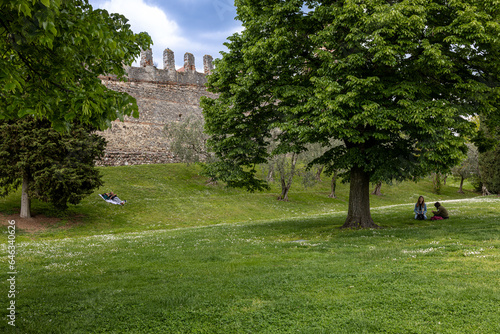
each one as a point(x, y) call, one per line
point(112, 198)
point(109, 195)
point(441, 212)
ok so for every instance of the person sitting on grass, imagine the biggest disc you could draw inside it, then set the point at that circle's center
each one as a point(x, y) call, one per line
point(441, 212)
point(420, 209)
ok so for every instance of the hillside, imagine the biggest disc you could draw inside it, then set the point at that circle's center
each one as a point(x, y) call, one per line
point(175, 195)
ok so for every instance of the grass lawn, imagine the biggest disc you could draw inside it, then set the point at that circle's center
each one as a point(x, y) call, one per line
point(184, 257)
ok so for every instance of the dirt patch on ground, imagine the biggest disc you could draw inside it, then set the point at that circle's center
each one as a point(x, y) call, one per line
point(37, 223)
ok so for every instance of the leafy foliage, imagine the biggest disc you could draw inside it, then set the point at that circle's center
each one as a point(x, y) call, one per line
point(490, 170)
point(437, 182)
point(188, 142)
point(52, 54)
point(60, 166)
point(469, 167)
point(288, 165)
point(396, 82)
point(489, 154)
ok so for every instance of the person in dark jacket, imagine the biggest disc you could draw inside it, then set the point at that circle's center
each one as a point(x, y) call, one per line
point(441, 211)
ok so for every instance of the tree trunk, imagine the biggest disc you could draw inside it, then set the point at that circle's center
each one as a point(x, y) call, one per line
point(318, 173)
point(286, 183)
point(25, 200)
point(334, 185)
point(270, 175)
point(284, 193)
point(358, 215)
point(461, 185)
point(212, 181)
point(436, 182)
point(377, 191)
point(485, 191)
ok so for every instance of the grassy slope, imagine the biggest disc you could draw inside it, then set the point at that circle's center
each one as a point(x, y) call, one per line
point(173, 196)
point(278, 268)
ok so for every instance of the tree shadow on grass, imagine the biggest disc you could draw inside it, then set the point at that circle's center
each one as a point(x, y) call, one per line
point(399, 226)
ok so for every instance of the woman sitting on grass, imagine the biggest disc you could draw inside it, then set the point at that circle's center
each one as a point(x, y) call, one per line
point(420, 209)
point(441, 212)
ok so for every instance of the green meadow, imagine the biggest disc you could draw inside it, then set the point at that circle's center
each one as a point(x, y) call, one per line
point(186, 257)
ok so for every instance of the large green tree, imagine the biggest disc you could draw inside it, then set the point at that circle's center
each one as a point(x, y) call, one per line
point(52, 166)
point(51, 54)
point(395, 81)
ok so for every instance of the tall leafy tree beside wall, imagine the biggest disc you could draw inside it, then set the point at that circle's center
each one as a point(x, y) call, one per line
point(52, 52)
point(395, 81)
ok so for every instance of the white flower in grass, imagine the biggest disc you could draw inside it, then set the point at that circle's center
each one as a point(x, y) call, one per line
point(422, 251)
point(468, 253)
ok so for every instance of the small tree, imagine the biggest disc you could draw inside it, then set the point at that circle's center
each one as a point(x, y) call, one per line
point(284, 164)
point(333, 185)
point(322, 159)
point(468, 167)
point(437, 182)
point(313, 152)
point(489, 165)
point(489, 148)
point(54, 167)
point(377, 190)
point(188, 142)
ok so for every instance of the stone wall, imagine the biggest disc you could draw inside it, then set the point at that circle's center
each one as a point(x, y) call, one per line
point(163, 96)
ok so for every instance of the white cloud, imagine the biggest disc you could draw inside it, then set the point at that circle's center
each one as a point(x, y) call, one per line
point(144, 15)
point(165, 33)
point(222, 34)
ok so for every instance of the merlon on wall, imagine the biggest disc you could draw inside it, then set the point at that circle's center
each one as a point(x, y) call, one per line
point(163, 96)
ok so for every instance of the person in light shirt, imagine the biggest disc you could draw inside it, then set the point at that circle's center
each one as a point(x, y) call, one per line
point(420, 209)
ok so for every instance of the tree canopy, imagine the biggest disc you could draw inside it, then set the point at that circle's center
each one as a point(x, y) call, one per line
point(395, 81)
point(55, 167)
point(52, 52)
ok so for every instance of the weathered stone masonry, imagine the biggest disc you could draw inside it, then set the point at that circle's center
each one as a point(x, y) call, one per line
point(163, 96)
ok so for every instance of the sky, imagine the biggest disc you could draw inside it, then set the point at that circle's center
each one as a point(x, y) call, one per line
point(199, 27)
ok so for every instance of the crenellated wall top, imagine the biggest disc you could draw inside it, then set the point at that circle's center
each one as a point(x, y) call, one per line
point(187, 74)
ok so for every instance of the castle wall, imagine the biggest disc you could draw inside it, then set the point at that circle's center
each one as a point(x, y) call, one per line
point(163, 96)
